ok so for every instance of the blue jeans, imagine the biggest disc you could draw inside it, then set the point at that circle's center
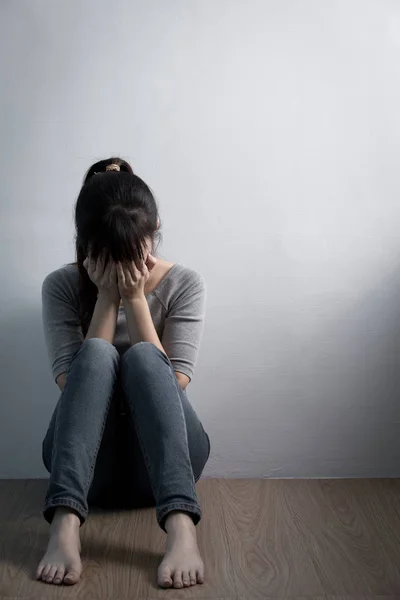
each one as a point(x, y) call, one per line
point(123, 435)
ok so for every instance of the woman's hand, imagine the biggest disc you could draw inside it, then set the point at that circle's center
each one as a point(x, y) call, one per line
point(132, 278)
point(105, 278)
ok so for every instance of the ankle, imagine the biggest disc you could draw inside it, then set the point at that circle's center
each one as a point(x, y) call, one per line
point(178, 519)
point(66, 516)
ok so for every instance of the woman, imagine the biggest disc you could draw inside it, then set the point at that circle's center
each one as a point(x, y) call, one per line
point(122, 330)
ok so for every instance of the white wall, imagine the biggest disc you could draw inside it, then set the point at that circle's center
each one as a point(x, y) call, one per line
point(270, 132)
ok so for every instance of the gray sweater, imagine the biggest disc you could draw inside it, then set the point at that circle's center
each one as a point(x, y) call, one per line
point(177, 307)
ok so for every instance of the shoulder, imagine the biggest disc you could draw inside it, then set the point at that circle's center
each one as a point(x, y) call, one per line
point(180, 282)
point(62, 280)
point(184, 276)
point(183, 279)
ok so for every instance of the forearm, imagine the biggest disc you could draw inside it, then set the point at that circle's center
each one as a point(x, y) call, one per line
point(141, 328)
point(140, 324)
point(102, 325)
point(104, 319)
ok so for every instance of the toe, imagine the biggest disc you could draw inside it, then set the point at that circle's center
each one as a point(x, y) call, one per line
point(51, 573)
point(164, 577)
point(71, 577)
point(192, 577)
point(59, 576)
point(185, 579)
point(39, 571)
point(178, 579)
point(46, 571)
point(200, 576)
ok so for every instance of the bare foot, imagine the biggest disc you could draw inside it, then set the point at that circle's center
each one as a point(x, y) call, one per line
point(182, 565)
point(62, 562)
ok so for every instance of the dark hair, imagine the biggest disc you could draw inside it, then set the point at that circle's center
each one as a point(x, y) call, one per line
point(115, 212)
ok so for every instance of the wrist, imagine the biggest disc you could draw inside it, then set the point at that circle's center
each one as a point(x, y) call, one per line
point(138, 300)
point(109, 297)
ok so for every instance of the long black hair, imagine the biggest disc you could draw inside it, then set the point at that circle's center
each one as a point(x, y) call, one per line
point(116, 213)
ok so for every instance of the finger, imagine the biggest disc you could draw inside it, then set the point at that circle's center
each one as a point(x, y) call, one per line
point(103, 257)
point(134, 270)
point(100, 264)
point(145, 271)
point(129, 276)
point(107, 269)
point(120, 273)
point(91, 265)
point(113, 273)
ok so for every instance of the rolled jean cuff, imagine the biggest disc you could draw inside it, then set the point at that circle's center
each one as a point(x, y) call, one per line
point(49, 508)
point(193, 509)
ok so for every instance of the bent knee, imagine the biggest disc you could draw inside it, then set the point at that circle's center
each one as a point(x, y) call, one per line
point(100, 346)
point(142, 355)
point(140, 349)
point(98, 352)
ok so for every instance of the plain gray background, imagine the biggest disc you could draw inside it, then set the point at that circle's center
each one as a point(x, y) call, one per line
point(269, 132)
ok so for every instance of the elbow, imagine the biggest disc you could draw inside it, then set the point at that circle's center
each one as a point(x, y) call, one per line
point(60, 381)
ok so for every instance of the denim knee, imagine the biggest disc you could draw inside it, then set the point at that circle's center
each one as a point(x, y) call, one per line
point(144, 360)
point(99, 350)
point(99, 345)
point(142, 354)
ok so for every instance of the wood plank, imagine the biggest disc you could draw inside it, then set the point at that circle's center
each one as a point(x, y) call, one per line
point(23, 534)
point(269, 556)
point(298, 539)
point(343, 539)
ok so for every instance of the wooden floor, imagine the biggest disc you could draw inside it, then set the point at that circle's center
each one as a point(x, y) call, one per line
point(259, 538)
